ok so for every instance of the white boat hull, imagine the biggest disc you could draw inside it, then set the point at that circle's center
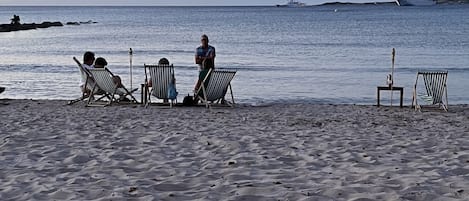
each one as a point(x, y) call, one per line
point(293, 4)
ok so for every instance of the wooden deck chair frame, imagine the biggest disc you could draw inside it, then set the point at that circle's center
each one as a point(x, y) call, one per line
point(215, 86)
point(160, 76)
point(436, 92)
point(103, 78)
point(85, 75)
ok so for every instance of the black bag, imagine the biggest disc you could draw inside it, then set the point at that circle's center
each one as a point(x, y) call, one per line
point(188, 100)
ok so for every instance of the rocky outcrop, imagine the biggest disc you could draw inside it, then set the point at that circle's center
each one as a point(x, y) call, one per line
point(78, 23)
point(26, 26)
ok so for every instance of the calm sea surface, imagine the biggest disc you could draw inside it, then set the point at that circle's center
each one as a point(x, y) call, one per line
point(325, 54)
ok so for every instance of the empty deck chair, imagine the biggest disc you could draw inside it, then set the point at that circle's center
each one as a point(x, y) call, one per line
point(434, 92)
point(161, 77)
point(104, 80)
point(214, 87)
point(88, 81)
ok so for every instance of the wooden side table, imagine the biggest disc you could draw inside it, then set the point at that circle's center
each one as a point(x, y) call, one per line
point(388, 88)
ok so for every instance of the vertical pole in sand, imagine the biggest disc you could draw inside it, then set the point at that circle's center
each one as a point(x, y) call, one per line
point(392, 72)
point(130, 57)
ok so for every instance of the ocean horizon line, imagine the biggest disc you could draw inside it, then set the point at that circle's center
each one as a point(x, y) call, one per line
point(195, 6)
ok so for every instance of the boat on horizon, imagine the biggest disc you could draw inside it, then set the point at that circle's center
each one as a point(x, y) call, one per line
point(293, 4)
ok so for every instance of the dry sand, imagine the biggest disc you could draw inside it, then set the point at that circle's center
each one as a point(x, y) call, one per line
point(50, 151)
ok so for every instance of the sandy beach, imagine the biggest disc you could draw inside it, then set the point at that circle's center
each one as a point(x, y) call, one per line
point(51, 151)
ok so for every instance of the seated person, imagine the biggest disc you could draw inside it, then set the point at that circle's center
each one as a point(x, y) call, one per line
point(160, 62)
point(15, 20)
point(101, 63)
point(163, 61)
point(88, 60)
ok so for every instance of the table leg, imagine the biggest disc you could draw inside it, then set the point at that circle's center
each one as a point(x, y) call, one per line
point(402, 96)
point(141, 94)
point(146, 94)
point(377, 98)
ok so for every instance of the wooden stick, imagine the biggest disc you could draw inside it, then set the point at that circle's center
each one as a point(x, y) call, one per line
point(130, 57)
point(392, 72)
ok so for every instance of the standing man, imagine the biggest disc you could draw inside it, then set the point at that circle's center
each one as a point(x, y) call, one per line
point(202, 53)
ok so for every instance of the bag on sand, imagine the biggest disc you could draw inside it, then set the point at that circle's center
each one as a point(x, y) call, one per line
point(188, 100)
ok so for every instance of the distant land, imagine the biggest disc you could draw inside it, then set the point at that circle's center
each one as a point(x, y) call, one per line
point(350, 3)
point(383, 3)
point(394, 2)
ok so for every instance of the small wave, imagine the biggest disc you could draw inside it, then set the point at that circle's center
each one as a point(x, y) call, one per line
point(47, 68)
point(415, 69)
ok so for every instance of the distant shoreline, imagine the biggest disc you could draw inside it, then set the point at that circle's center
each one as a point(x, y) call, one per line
point(349, 3)
point(439, 2)
point(213, 6)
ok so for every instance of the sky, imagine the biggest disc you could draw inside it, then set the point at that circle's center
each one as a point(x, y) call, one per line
point(166, 2)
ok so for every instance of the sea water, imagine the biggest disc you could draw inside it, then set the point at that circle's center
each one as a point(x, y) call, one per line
point(321, 54)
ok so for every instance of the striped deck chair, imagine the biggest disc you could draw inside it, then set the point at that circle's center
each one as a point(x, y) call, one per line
point(214, 87)
point(435, 90)
point(88, 81)
point(161, 76)
point(104, 80)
